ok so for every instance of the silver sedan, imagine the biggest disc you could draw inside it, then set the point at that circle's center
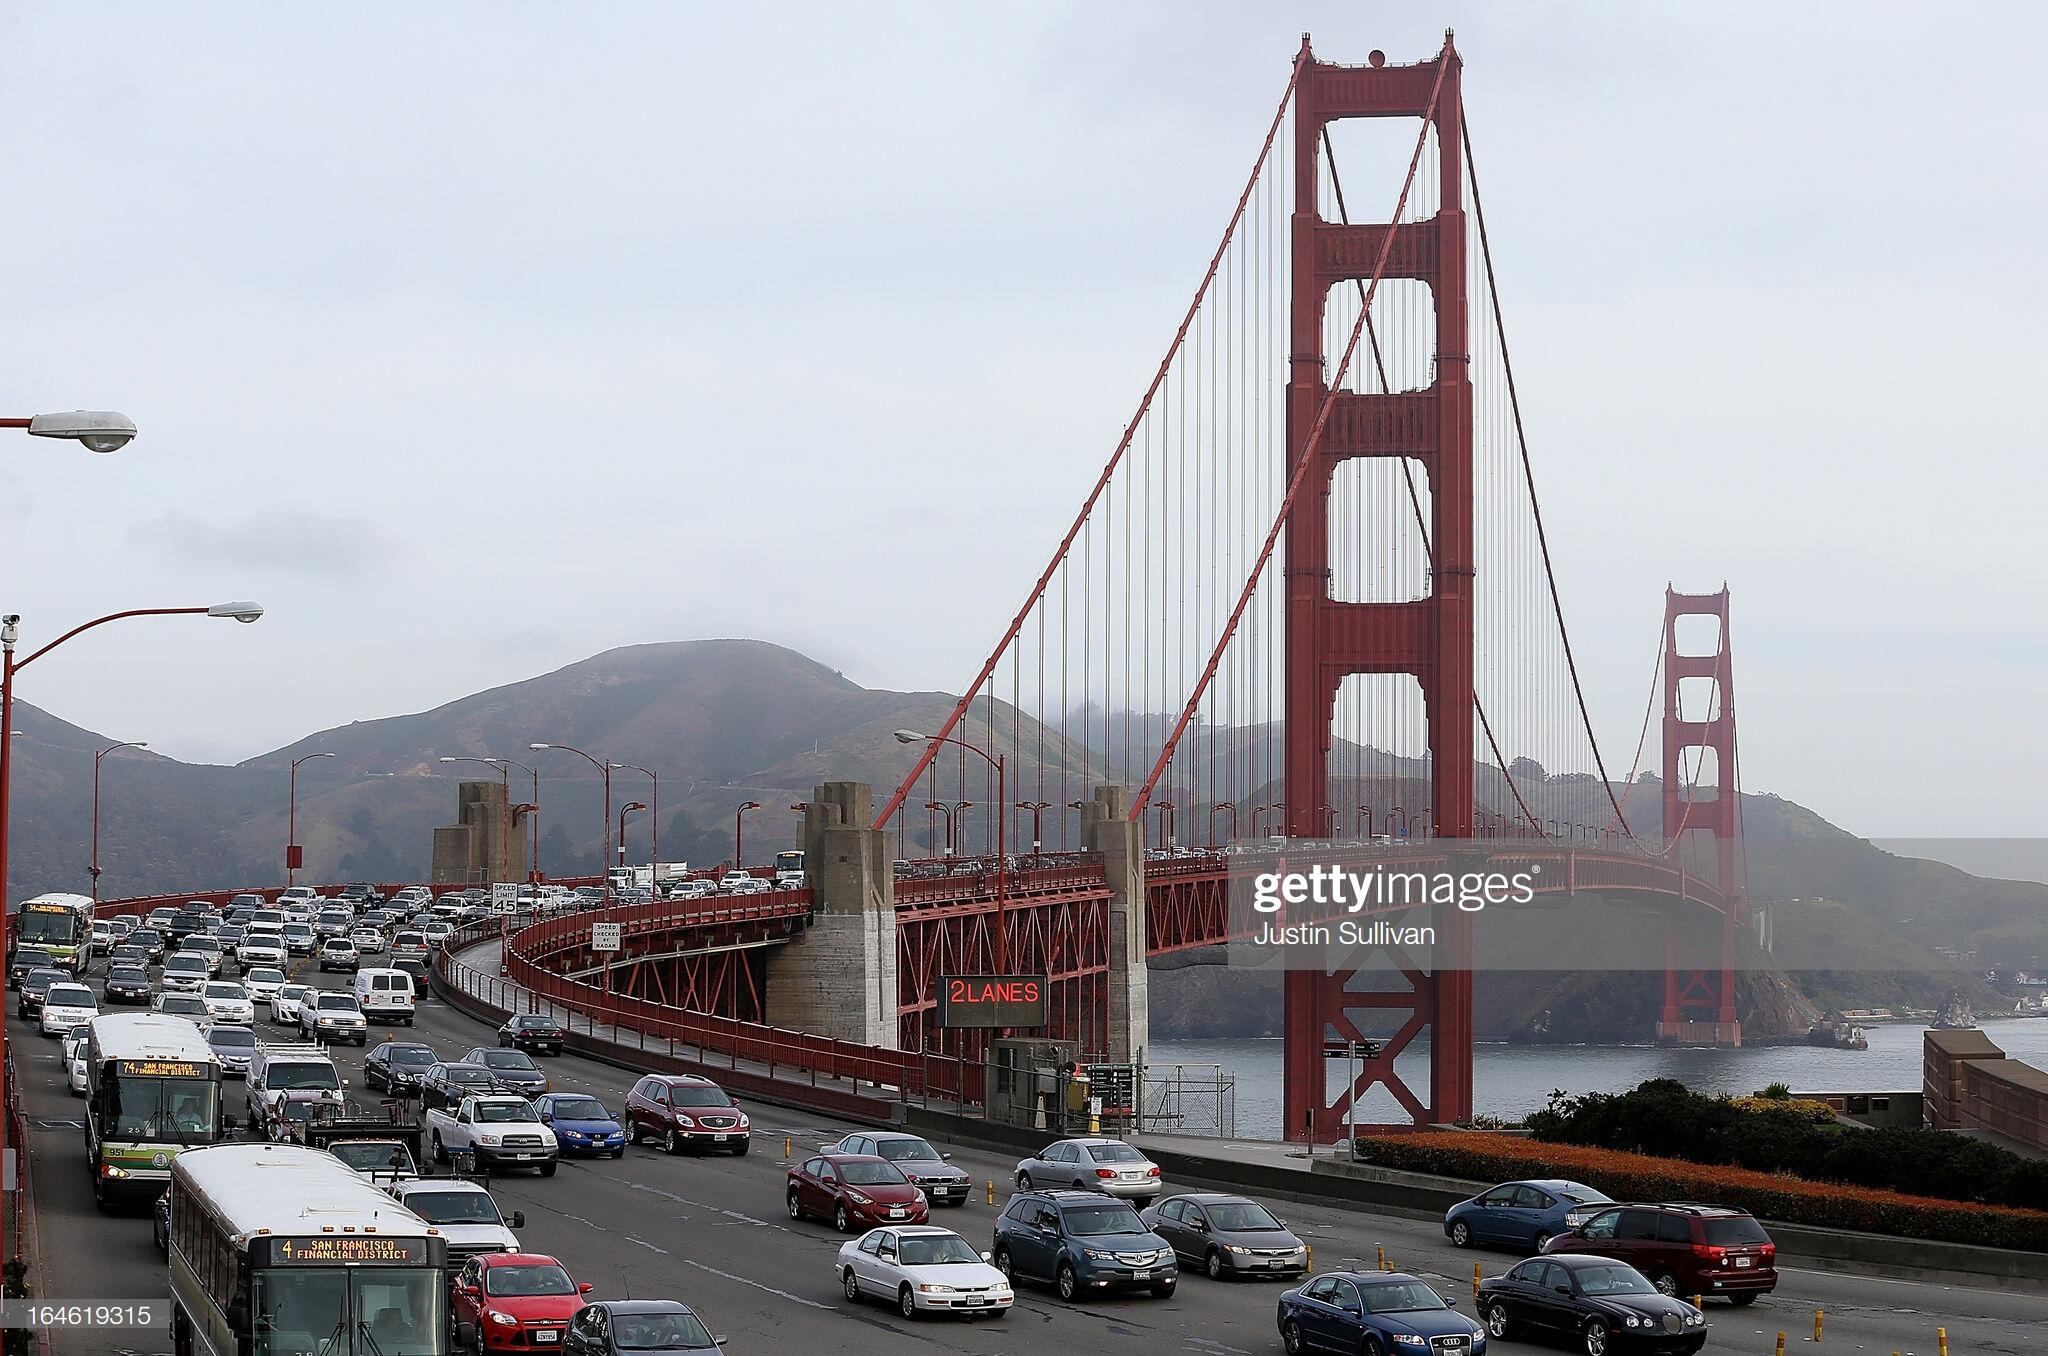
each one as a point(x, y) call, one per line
point(1106, 1165)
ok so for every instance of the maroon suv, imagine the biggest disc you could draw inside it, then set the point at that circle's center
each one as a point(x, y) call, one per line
point(1684, 1250)
point(680, 1111)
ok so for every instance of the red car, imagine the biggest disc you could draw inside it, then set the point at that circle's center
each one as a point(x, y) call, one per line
point(682, 1110)
point(513, 1301)
point(854, 1191)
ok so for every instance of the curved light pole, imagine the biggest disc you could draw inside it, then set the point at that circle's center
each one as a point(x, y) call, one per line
point(625, 810)
point(293, 853)
point(96, 430)
point(1231, 808)
point(949, 809)
point(653, 809)
point(94, 869)
point(1037, 809)
point(1165, 808)
point(739, 826)
point(604, 822)
point(1002, 836)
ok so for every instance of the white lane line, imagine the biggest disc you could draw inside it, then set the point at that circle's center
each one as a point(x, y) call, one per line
point(645, 1244)
point(769, 1289)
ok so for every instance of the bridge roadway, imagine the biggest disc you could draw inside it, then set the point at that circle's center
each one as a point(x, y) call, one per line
point(712, 1231)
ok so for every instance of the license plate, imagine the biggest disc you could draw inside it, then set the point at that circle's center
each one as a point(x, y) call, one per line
point(975, 1299)
point(1132, 1176)
point(547, 1334)
point(1276, 1264)
point(895, 1212)
point(721, 1138)
point(1744, 1261)
point(1141, 1275)
point(522, 1155)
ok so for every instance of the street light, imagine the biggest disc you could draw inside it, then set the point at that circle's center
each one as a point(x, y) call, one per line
point(625, 810)
point(1038, 809)
point(604, 824)
point(739, 856)
point(1002, 837)
point(98, 430)
point(950, 809)
point(10, 635)
point(1165, 808)
point(654, 809)
point(94, 869)
point(293, 853)
point(1231, 808)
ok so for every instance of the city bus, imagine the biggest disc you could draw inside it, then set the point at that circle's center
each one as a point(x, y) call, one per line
point(791, 860)
point(152, 1088)
point(60, 924)
point(281, 1250)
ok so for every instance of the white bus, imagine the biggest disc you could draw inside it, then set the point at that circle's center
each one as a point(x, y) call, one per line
point(152, 1088)
point(59, 924)
point(280, 1250)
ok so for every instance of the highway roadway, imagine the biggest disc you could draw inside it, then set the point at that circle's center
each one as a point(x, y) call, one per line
point(711, 1231)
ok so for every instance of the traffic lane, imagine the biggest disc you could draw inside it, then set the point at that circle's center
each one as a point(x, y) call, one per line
point(741, 1193)
point(85, 1254)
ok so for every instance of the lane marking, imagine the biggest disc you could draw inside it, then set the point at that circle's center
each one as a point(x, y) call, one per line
point(645, 1244)
point(769, 1289)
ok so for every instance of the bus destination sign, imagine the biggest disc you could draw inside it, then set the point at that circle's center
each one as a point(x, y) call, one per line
point(345, 1249)
point(160, 1068)
point(994, 1001)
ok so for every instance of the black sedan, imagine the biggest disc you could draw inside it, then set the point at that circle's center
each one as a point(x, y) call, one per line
point(1598, 1305)
point(514, 1069)
point(33, 985)
point(644, 1327)
point(27, 958)
point(533, 1033)
point(398, 1066)
point(127, 984)
point(447, 1084)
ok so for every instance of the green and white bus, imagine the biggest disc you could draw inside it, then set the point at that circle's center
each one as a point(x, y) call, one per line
point(280, 1250)
point(59, 924)
point(152, 1088)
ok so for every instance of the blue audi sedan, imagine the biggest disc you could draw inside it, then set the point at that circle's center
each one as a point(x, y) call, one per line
point(1379, 1313)
point(1522, 1215)
point(581, 1124)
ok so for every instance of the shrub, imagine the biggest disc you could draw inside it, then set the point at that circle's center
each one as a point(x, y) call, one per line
point(1666, 1119)
point(1627, 1176)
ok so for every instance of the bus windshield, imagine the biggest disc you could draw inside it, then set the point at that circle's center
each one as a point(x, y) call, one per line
point(354, 1311)
point(179, 1110)
point(42, 926)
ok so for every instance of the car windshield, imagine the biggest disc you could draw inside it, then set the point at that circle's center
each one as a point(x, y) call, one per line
point(1577, 1194)
point(185, 961)
point(453, 1207)
point(1611, 1279)
point(302, 1075)
point(1722, 1231)
point(907, 1150)
point(337, 1002)
point(657, 1332)
point(504, 1111)
point(31, 955)
point(232, 1038)
point(1093, 1221)
point(295, 992)
point(412, 1056)
point(182, 1005)
point(369, 1155)
point(127, 974)
point(506, 1059)
point(871, 1174)
point(264, 975)
point(580, 1109)
point(932, 1250)
point(688, 1096)
point(533, 1023)
point(1400, 1297)
point(528, 1279)
point(1241, 1217)
point(1115, 1153)
point(225, 991)
point(475, 1077)
point(70, 996)
point(179, 1109)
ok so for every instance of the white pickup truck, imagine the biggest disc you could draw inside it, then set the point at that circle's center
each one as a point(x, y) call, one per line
point(501, 1129)
point(464, 1213)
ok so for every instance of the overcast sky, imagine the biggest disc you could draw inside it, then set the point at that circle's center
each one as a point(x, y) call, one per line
point(472, 339)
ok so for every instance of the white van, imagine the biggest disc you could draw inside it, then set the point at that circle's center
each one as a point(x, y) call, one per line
point(385, 994)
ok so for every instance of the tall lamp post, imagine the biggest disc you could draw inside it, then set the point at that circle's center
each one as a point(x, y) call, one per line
point(949, 810)
point(1230, 807)
point(1037, 809)
point(604, 828)
point(739, 826)
point(294, 855)
point(625, 810)
point(1002, 837)
point(94, 869)
point(653, 809)
point(10, 635)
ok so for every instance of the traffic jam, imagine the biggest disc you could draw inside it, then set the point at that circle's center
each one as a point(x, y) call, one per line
point(312, 1043)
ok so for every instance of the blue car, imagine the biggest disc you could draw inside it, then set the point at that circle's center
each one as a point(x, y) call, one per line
point(1522, 1215)
point(1377, 1313)
point(581, 1124)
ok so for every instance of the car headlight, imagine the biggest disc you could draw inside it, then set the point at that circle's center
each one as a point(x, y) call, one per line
point(1695, 1317)
point(857, 1198)
point(1632, 1321)
point(487, 1139)
point(685, 1122)
point(1409, 1339)
point(1232, 1247)
point(496, 1317)
point(109, 1170)
point(1097, 1255)
point(935, 1289)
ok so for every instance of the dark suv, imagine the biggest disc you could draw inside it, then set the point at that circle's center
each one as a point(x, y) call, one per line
point(681, 1109)
point(1684, 1249)
point(1082, 1242)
